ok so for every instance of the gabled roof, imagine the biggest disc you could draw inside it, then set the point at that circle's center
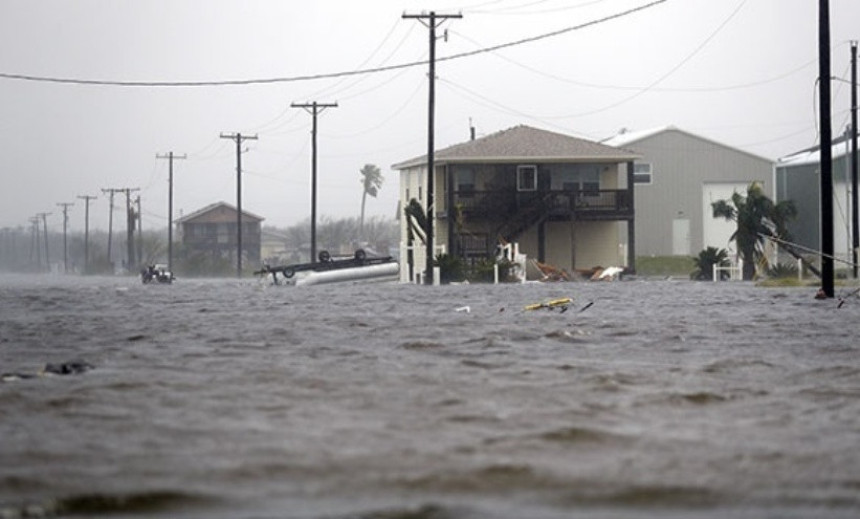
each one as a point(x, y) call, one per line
point(625, 136)
point(525, 144)
point(212, 207)
point(626, 139)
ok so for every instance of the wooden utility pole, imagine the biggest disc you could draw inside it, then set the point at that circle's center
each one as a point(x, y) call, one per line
point(35, 242)
point(314, 109)
point(170, 158)
point(129, 223)
point(433, 20)
point(44, 217)
point(86, 199)
point(129, 227)
point(826, 148)
point(139, 233)
point(111, 192)
point(238, 137)
point(65, 206)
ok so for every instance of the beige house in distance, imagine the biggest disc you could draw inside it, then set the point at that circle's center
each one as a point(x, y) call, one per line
point(212, 231)
point(559, 197)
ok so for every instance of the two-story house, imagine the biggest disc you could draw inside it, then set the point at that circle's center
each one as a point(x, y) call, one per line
point(212, 230)
point(561, 198)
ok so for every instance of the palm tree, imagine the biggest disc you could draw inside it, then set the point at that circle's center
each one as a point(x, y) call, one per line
point(416, 228)
point(757, 218)
point(371, 180)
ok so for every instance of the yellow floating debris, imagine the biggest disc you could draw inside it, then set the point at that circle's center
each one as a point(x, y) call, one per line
point(554, 303)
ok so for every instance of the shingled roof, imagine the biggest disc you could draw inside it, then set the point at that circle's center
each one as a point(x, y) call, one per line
point(246, 216)
point(525, 144)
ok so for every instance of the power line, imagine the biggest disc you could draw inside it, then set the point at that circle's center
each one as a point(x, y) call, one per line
point(311, 77)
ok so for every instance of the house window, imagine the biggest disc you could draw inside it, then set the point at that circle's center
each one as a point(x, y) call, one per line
point(590, 180)
point(526, 178)
point(642, 173)
point(465, 182)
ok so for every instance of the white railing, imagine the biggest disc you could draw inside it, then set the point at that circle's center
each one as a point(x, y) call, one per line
point(735, 270)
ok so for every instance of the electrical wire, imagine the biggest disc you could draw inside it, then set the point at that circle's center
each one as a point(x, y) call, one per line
point(600, 86)
point(310, 77)
point(665, 76)
point(515, 10)
point(382, 122)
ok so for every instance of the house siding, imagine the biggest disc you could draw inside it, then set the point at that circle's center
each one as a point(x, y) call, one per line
point(682, 164)
point(213, 231)
point(592, 244)
point(801, 184)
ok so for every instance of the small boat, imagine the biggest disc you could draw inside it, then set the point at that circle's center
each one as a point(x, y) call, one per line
point(157, 273)
point(358, 267)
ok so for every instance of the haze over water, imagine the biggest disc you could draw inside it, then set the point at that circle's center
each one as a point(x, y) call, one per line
point(235, 398)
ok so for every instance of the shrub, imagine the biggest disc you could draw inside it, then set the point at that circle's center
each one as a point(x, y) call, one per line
point(705, 262)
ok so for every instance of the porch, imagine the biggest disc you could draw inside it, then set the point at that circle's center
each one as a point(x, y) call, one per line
point(489, 215)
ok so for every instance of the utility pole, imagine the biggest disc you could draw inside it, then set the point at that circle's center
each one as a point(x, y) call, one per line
point(170, 158)
point(826, 148)
point(855, 219)
point(129, 227)
point(65, 207)
point(44, 217)
point(139, 233)
point(35, 243)
point(433, 21)
point(314, 109)
point(86, 199)
point(110, 191)
point(238, 137)
point(129, 222)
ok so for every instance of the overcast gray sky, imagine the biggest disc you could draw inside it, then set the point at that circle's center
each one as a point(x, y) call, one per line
point(741, 72)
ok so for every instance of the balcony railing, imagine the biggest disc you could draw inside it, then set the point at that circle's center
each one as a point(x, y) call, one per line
point(499, 203)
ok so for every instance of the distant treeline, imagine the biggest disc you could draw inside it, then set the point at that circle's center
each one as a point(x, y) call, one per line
point(22, 249)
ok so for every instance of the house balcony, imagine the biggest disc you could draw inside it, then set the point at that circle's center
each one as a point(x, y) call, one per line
point(553, 205)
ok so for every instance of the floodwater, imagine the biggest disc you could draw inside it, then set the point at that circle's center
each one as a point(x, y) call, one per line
point(238, 399)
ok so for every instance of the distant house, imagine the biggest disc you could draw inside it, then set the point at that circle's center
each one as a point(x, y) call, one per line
point(676, 179)
point(798, 178)
point(212, 231)
point(560, 197)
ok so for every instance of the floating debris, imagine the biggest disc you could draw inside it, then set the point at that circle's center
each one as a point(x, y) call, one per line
point(562, 303)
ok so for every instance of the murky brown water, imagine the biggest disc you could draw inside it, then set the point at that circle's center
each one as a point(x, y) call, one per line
point(229, 398)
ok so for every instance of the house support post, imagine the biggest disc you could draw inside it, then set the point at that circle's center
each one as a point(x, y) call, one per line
point(572, 244)
point(451, 211)
point(542, 241)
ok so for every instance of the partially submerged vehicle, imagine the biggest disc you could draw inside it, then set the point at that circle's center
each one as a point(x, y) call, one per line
point(156, 273)
point(360, 266)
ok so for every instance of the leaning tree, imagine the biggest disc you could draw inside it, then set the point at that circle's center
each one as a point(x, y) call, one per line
point(371, 181)
point(757, 218)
